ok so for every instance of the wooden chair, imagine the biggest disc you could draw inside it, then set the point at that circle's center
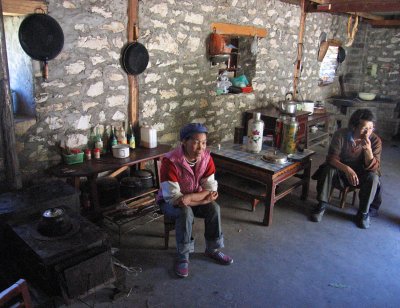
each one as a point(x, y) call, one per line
point(343, 194)
point(16, 296)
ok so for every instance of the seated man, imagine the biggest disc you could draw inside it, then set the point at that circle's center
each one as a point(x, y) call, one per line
point(353, 159)
point(189, 189)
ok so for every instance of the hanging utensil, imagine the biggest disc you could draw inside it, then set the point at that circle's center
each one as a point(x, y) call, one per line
point(42, 38)
point(135, 56)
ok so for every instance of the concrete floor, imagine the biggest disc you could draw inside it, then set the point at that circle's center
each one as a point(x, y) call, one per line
point(293, 263)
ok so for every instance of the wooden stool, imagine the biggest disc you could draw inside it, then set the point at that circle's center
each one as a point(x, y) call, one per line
point(343, 194)
point(169, 225)
point(16, 296)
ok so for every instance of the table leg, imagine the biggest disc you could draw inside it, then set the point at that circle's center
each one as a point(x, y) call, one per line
point(94, 198)
point(306, 180)
point(269, 203)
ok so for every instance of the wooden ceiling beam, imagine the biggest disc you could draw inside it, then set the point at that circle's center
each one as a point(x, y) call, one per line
point(385, 23)
point(358, 6)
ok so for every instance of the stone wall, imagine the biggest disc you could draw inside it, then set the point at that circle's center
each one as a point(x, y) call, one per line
point(88, 87)
point(379, 47)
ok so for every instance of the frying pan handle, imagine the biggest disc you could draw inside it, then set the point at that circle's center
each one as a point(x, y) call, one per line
point(45, 74)
point(135, 32)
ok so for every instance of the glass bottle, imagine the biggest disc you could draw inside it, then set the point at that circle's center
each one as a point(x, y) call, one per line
point(113, 137)
point(123, 134)
point(106, 140)
point(132, 140)
point(99, 141)
point(255, 133)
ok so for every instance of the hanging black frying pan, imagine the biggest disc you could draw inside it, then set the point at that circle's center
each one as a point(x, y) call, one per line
point(41, 37)
point(135, 57)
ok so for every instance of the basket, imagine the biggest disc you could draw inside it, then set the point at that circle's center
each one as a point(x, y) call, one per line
point(73, 158)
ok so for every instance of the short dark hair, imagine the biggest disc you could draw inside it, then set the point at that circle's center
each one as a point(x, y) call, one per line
point(360, 115)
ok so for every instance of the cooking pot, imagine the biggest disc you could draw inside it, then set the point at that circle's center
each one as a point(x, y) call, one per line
point(120, 150)
point(145, 176)
point(130, 187)
point(54, 222)
point(135, 57)
point(41, 37)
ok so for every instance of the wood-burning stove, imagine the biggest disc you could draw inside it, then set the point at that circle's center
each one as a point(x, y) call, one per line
point(71, 264)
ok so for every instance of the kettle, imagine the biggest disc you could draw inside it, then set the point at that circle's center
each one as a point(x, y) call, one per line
point(288, 106)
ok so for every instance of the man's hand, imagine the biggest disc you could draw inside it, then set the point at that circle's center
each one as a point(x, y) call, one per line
point(351, 176)
point(366, 143)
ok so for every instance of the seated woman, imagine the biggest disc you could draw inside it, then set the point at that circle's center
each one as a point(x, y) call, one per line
point(189, 189)
point(353, 159)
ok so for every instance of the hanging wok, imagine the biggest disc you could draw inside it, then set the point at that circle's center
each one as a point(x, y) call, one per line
point(41, 37)
point(135, 56)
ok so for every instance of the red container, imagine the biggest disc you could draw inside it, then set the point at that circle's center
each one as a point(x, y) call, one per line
point(247, 89)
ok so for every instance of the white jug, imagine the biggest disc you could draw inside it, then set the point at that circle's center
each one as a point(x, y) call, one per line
point(148, 136)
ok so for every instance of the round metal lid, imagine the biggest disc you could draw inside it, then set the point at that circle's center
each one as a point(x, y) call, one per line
point(274, 157)
point(53, 212)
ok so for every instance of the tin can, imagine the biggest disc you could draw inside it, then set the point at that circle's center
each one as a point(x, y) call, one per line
point(88, 154)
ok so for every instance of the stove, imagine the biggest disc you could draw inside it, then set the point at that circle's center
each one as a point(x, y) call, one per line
point(71, 264)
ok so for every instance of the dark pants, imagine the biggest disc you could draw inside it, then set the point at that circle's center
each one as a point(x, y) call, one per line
point(369, 182)
point(184, 217)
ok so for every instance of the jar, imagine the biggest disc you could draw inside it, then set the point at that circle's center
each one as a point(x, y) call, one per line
point(88, 154)
point(148, 136)
point(255, 133)
point(96, 153)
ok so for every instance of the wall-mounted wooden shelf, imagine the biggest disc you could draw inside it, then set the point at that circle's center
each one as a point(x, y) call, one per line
point(239, 30)
point(22, 7)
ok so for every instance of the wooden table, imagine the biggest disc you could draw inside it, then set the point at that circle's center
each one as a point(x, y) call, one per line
point(234, 160)
point(91, 168)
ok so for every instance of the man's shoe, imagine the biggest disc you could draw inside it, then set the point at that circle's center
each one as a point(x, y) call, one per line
point(373, 212)
point(318, 212)
point(363, 221)
point(182, 268)
point(218, 256)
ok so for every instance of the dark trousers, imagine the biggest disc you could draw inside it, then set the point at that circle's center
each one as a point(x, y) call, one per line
point(369, 182)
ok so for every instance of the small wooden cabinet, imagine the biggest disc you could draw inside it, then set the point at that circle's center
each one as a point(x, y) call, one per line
point(270, 114)
point(321, 135)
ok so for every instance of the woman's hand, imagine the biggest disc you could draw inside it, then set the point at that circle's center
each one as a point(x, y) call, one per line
point(212, 196)
point(352, 176)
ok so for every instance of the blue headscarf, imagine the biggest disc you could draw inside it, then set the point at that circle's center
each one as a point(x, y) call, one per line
point(192, 128)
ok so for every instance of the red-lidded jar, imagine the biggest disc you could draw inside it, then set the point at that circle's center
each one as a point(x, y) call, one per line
point(88, 154)
point(96, 153)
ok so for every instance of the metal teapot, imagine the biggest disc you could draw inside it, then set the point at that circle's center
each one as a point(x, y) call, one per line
point(288, 106)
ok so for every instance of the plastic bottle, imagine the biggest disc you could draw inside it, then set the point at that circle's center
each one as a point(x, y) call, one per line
point(255, 131)
point(148, 136)
point(290, 127)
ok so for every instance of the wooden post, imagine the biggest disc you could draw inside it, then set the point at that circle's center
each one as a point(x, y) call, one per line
point(132, 79)
point(297, 66)
point(11, 163)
